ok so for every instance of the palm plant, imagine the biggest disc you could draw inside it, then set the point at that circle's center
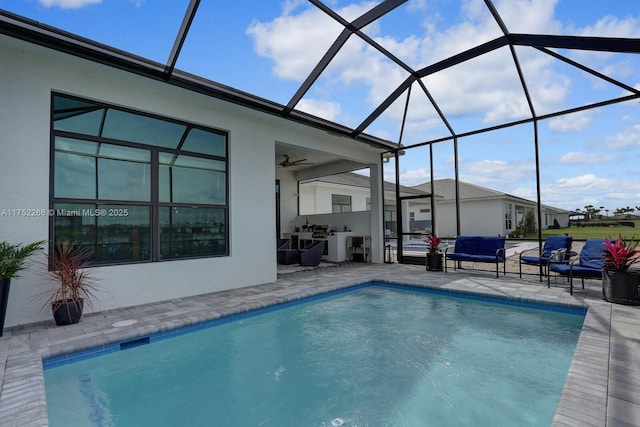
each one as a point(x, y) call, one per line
point(12, 261)
point(13, 257)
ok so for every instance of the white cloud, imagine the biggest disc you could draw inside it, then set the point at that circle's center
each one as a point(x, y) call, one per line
point(326, 109)
point(294, 43)
point(573, 157)
point(629, 137)
point(68, 4)
point(414, 176)
point(571, 122)
point(525, 193)
point(530, 16)
point(495, 173)
point(590, 189)
point(585, 182)
point(611, 26)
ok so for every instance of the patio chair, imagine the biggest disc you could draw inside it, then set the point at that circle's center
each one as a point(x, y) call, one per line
point(589, 263)
point(286, 254)
point(311, 255)
point(553, 243)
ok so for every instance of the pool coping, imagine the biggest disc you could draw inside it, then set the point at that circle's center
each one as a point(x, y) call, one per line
point(588, 398)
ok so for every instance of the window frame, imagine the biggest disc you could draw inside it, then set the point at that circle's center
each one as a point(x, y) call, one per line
point(154, 203)
point(341, 205)
point(508, 216)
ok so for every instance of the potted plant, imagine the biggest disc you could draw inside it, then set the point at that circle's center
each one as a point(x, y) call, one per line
point(12, 261)
point(434, 256)
point(619, 284)
point(74, 286)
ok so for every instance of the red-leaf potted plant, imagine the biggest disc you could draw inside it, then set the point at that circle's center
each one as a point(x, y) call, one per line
point(74, 286)
point(434, 257)
point(620, 284)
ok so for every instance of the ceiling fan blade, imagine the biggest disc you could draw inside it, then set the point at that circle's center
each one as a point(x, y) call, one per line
point(287, 162)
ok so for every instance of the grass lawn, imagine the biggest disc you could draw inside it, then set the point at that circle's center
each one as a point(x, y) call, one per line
point(581, 233)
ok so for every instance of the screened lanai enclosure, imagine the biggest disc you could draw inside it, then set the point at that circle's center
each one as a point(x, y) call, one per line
point(537, 101)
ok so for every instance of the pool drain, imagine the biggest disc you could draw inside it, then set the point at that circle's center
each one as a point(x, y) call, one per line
point(122, 323)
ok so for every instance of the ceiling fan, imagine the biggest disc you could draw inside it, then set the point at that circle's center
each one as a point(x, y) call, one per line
point(288, 163)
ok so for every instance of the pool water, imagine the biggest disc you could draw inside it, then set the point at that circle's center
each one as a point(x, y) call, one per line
point(376, 356)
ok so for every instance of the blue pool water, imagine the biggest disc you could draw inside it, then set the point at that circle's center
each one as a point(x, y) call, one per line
point(376, 356)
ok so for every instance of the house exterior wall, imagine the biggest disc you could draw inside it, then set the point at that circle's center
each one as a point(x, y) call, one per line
point(30, 73)
point(315, 197)
point(480, 217)
point(477, 217)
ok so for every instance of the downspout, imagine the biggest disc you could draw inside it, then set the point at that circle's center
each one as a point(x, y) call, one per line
point(433, 202)
point(399, 230)
point(457, 181)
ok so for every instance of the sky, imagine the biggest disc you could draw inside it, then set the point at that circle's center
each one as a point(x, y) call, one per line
point(268, 48)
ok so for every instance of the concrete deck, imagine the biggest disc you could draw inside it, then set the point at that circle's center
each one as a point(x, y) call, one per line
point(602, 387)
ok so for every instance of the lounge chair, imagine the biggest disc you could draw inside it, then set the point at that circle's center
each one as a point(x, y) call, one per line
point(553, 243)
point(286, 254)
point(311, 255)
point(589, 263)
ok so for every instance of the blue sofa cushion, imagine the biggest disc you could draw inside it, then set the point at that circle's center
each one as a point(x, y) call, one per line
point(592, 254)
point(578, 270)
point(466, 245)
point(532, 259)
point(489, 245)
point(553, 243)
point(478, 248)
point(476, 258)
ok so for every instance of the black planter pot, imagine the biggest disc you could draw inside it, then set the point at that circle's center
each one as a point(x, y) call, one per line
point(67, 312)
point(434, 262)
point(621, 288)
point(5, 285)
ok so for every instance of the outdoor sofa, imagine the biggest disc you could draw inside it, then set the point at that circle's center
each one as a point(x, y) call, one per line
point(478, 249)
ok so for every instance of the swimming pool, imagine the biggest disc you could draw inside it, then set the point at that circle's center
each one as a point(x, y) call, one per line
point(378, 355)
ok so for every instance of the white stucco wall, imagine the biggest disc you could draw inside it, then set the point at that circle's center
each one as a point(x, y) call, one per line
point(288, 200)
point(482, 218)
point(29, 75)
point(317, 197)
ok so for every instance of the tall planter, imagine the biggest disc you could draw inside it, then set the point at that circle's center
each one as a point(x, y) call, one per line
point(434, 262)
point(621, 288)
point(5, 285)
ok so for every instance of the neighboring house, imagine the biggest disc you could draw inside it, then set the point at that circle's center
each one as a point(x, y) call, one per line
point(349, 192)
point(484, 211)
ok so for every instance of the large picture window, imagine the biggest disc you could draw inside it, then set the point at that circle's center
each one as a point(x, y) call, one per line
point(134, 188)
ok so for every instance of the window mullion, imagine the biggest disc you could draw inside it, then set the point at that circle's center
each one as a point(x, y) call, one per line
point(155, 210)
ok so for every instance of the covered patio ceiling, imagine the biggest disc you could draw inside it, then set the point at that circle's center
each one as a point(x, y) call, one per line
point(381, 72)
